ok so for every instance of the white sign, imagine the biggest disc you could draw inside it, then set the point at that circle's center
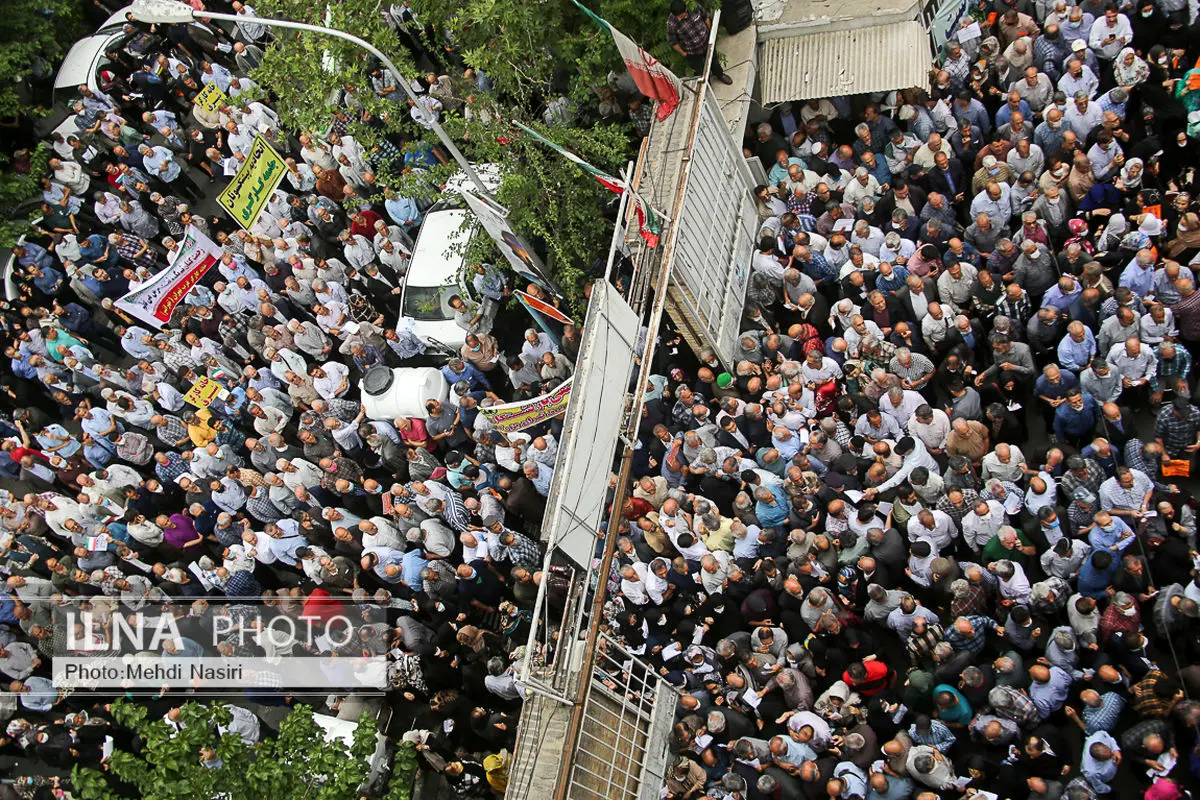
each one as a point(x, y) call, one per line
point(154, 301)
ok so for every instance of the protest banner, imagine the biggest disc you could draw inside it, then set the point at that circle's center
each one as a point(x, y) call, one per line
point(519, 254)
point(251, 188)
point(210, 98)
point(544, 308)
point(512, 417)
point(203, 392)
point(154, 301)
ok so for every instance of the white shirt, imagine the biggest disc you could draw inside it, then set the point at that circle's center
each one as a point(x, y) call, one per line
point(335, 373)
point(943, 531)
point(906, 411)
point(1122, 32)
point(978, 531)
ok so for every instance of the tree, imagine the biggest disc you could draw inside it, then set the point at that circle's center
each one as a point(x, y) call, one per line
point(537, 50)
point(34, 35)
point(298, 764)
point(550, 201)
point(17, 191)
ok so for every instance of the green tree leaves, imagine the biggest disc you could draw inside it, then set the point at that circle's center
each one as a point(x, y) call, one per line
point(35, 33)
point(298, 764)
point(532, 51)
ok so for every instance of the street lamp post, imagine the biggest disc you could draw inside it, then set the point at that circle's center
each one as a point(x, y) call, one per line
point(172, 11)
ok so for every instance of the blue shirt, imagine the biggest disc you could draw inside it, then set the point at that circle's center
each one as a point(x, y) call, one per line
point(284, 547)
point(1141, 281)
point(410, 569)
point(897, 789)
point(1060, 389)
point(158, 158)
point(1051, 695)
point(76, 317)
point(541, 481)
point(772, 515)
point(880, 171)
point(1072, 423)
point(976, 113)
point(1101, 539)
point(36, 255)
point(8, 609)
point(403, 209)
point(1093, 582)
point(92, 250)
point(50, 281)
point(1099, 774)
point(1104, 716)
point(21, 368)
point(1004, 115)
point(818, 268)
point(1075, 355)
point(69, 448)
point(1054, 297)
point(940, 736)
point(40, 694)
point(100, 453)
point(779, 173)
point(894, 283)
point(421, 158)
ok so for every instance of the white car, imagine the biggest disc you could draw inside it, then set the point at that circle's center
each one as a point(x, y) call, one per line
point(433, 274)
point(82, 64)
point(437, 262)
point(401, 392)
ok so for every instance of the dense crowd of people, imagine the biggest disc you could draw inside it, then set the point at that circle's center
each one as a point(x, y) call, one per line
point(932, 535)
point(121, 496)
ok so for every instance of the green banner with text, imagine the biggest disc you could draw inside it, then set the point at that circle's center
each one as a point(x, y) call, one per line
point(251, 188)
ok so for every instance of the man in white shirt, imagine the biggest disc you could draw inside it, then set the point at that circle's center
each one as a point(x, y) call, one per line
point(1110, 34)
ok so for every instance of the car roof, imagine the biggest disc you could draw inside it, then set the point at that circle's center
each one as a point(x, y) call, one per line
point(77, 66)
point(117, 19)
point(489, 175)
point(439, 252)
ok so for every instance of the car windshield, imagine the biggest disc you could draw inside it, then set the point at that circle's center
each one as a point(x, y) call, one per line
point(429, 303)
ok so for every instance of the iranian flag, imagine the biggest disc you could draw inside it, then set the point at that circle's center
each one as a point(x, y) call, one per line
point(649, 223)
point(609, 182)
point(652, 78)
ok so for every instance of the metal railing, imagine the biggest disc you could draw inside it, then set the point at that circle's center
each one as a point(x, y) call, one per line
point(621, 752)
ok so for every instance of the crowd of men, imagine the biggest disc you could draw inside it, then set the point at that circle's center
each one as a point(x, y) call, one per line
point(932, 534)
point(122, 496)
point(925, 537)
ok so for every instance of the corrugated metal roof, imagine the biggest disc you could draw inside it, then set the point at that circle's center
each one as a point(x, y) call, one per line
point(834, 63)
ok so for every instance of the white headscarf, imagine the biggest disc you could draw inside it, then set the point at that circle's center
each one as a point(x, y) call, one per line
point(1130, 180)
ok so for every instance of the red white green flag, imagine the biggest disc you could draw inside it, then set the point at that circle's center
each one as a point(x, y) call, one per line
point(609, 182)
point(653, 79)
point(649, 223)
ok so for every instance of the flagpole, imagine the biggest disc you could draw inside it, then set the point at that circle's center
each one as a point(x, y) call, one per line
point(622, 181)
point(618, 236)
